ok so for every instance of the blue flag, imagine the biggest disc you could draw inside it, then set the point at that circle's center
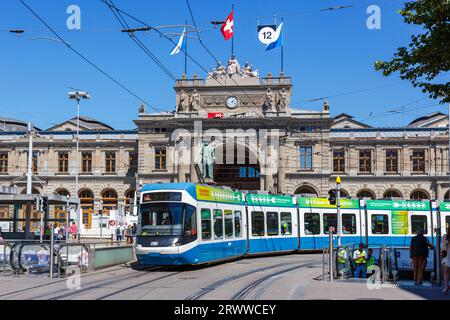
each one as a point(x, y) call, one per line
point(181, 45)
point(278, 39)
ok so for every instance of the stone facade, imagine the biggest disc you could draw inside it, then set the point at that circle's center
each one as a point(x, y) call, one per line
point(294, 151)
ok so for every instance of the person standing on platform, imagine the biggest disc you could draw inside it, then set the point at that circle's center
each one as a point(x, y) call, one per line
point(73, 230)
point(445, 243)
point(418, 251)
point(360, 258)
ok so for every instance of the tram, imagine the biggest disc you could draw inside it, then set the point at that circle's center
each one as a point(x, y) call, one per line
point(189, 224)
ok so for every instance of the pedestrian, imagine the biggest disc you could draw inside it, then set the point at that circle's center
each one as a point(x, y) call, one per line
point(119, 233)
point(48, 232)
point(134, 232)
point(73, 230)
point(1, 237)
point(360, 258)
point(418, 252)
point(344, 269)
point(445, 243)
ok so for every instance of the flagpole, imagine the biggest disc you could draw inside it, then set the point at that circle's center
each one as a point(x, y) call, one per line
point(185, 48)
point(232, 38)
point(282, 45)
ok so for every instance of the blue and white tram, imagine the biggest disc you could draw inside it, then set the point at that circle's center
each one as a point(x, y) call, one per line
point(185, 223)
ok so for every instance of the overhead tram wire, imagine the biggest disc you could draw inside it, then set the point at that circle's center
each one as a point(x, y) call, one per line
point(88, 60)
point(217, 60)
point(131, 34)
point(257, 113)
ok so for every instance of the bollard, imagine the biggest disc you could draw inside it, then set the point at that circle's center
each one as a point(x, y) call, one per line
point(52, 249)
point(330, 250)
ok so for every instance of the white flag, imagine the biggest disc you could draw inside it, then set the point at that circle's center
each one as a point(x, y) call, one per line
point(181, 44)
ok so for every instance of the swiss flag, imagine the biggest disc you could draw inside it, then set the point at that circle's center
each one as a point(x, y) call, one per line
point(227, 27)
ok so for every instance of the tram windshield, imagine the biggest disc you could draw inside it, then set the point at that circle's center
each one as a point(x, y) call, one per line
point(166, 218)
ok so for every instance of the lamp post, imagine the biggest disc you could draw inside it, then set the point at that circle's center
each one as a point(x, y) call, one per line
point(338, 207)
point(78, 95)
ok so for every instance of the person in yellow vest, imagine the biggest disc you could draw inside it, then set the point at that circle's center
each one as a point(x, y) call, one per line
point(343, 263)
point(360, 259)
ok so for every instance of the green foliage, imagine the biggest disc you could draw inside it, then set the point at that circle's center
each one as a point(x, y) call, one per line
point(428, 54)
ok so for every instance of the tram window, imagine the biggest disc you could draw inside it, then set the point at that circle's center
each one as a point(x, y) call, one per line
point(237, 224)
point(228, 223)
point(206, 224)
point(419, 223)
point(190, 225)
point(329, 220)
point(447, 223)
point(380, 224)
point(272, 223)
point(312, 223)
point(286, 223)
point(257, 223)
point(348, 224)
point(218, 224)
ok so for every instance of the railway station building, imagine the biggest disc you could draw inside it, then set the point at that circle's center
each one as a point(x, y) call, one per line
point(230, 128)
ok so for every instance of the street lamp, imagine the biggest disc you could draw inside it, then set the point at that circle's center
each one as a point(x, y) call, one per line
point(338, 207)
point(78, 95)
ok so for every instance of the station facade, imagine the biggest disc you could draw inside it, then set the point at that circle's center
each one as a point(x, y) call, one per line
point(236, 129)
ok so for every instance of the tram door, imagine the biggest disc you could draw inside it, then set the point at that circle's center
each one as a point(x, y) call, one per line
point(445, 221)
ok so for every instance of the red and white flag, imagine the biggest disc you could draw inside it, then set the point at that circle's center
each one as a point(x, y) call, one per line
point(227, 27)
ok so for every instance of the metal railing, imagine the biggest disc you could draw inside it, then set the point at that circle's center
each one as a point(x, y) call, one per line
point(50, 256)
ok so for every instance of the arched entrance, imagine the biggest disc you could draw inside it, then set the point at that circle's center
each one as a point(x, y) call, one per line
point(241, 171)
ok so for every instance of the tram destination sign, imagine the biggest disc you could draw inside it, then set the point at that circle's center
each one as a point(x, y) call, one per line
point(398, 205)
point(324, 203)
point(218, 195)
point(270, 200)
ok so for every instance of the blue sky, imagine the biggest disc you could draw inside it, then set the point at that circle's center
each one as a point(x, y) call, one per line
point(327, 53)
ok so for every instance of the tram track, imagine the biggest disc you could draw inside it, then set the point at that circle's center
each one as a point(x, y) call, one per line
point(219, 283)
point(136, 285)
point(101, 283)
point(258, 284)
point(58, 281)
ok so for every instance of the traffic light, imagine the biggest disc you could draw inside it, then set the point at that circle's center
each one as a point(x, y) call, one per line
point(44, 204)
point(332, 196)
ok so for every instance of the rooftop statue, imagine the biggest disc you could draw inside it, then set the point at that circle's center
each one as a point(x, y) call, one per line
point(247, 71)
point(233, 68)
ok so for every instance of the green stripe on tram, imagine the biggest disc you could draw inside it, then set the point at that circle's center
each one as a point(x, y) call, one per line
point(269, 200)
point(324, 203)
point(398, 205)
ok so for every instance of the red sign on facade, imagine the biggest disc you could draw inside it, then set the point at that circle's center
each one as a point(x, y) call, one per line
point(214, 115)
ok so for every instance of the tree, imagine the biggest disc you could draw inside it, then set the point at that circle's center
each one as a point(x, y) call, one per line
point(428, 54)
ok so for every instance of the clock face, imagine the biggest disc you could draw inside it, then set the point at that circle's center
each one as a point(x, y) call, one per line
point(232, 102)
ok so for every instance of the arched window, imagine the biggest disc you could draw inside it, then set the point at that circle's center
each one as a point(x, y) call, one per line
point(87, 206)
point(344, 193)
point(306, 190)
point(419, 195)
point(63, 192)
point(129, 200)
point(447, 196)
point(109, 200)
point(33, 191)
point(392, 194)
point(365, 194)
